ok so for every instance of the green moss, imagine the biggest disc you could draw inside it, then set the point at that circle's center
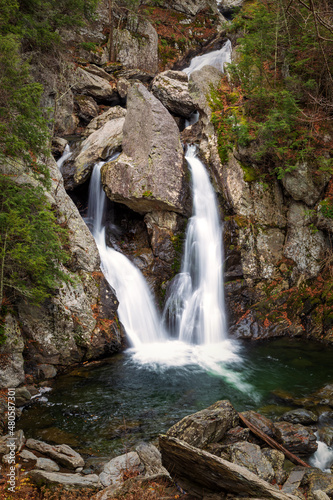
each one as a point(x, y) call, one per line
point(250, 174)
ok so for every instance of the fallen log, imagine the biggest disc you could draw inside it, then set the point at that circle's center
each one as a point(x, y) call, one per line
point(272, 443)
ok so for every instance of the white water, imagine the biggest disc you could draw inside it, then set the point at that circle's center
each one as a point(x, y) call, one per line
point(136, 309)
point(323, 457)
point(65, 156)
point(195, 306)
point(217, 58)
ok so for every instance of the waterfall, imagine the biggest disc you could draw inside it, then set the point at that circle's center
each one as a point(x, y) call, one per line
point(136, 310)
point(65, 156)
point(217, 58)
point(195, 306)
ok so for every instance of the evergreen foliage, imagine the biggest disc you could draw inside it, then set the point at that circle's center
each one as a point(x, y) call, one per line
point(283, 85)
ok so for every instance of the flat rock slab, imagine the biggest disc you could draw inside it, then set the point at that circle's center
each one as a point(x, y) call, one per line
point(41, 477)
point(47, 464)
point(62, 454)
point(214, 473)
point(293, 481)
point(206, 426)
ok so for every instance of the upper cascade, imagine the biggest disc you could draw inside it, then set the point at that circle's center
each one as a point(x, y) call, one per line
point(217, 58)
point(195, 306)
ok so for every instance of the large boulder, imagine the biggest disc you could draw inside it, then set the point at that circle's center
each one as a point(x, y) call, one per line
point(68, 481)
point(171, 88)
point(213, 473)
point(137, 46)
point(206, 426)
point(98, 146)
point(250, 456)
point(150, 174)
point(296, 438)
point(94, 86)
point(113, 471)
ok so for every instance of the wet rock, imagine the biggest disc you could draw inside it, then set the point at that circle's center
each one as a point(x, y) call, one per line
point(94, 86)
point(12, 369)
point(300, 416)
point(250, 456)
point(46, 371)
point(171, 88)
point(150, 174)
point(98, 146)
point(22, 396)
point(137, 45)
point(296, 438)
point(47, 464)
point(113, 471)
point(62, 454)
point(206, 426)
point(208, 471)
point(325, 434)
point(86, 107)
point(262, 423)
point(69, 481)
point(163, 228)
point(305, 185)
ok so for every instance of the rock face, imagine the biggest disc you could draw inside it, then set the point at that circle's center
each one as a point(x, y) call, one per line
point(171, 88)
point(304, 185)
point(137, 46)
point(150, 173)
point(12, 366)
point(94, 86)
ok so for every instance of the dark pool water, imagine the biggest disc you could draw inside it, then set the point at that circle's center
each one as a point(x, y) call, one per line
point(105, 410)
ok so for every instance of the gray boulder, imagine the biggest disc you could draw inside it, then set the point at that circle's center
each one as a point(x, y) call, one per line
point(206, 426)
point(171, 88)
point(191, 7)
point(150, 174)
point(98, 146)
point(111, 114)
point(94, 86)
point(85, 107)
point(113, 471)
point(62, 454)
point(47, 464)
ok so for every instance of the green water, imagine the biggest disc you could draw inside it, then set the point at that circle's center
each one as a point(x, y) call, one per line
point(107, 409)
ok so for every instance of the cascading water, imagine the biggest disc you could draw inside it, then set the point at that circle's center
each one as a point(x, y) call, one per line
point(136, 309)
point(217, 58)
point(65, 156)
point(195, 307)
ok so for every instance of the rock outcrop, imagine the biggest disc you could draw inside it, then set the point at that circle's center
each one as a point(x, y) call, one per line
point(171, 88)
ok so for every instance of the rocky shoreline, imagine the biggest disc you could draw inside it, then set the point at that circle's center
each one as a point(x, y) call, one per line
point(211, 452)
